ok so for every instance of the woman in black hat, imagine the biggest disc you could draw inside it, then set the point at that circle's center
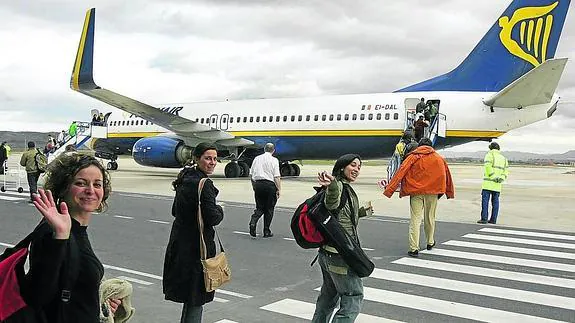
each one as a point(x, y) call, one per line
point(339, 281)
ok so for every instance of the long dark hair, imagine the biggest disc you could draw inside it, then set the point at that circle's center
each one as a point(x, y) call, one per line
point(199, 150)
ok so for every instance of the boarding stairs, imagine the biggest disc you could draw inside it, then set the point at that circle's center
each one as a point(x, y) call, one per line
point(438, 128)
point(85, 132)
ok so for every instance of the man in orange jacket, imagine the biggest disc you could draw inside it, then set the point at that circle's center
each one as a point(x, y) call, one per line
point(425, 177)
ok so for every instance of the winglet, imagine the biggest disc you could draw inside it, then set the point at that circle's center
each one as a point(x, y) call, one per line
point(535, 87)
point(82, 76)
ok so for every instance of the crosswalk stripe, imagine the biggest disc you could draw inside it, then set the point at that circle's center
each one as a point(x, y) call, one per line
point(135, 280)
point(472, 312)
point(477, 289)
point(11, 198)
point(220, 300)
point(526, 251)
point(227, 292)
point(305, 310)
point(529, 233)
point(500, 259)
point(225, 321)
point(523, 241)
point(488, 272)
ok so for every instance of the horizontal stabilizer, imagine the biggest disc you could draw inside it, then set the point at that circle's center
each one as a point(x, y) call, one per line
point(535, 87)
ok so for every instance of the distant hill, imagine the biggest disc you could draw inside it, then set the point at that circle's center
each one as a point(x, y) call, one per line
point(18, 140)
point(517, 156)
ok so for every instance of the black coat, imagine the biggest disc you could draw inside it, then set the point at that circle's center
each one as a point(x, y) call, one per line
point(183, 276)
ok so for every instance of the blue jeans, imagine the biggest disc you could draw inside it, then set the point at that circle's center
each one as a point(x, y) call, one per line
point(191, 314)
point(339, 284)
point(485, 195)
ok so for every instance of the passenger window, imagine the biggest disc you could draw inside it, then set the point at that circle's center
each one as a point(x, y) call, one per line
point(299, 118)
point(331, 117)
point(307, 118)
point(202, 120)
point(323, 117)
point(346, 117)
point(378, 116)
point(285, 118)
point(395, 116)
point(257, 119)
point(251, 119)
point(316, 118)
point(231, 120)
point(238, 119)
point(277, 118)
point(370, 116)
point(362, 116)
point(271, 118)
point(354, 117)
point(387, 116)
point(225, 120)
point(132, 123)
point(264, 119)
point(245, 119)
point(292, 118)
point(338, 117)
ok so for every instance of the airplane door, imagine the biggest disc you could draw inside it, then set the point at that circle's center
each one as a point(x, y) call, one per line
point(442, 125)
point(410, 104)
point(213, 121)
point(224, 122)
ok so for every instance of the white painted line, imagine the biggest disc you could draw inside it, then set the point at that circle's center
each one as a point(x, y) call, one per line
point(220, 300)
point(385, 220)
point(10, 198)
point(23, 194)
point(500, 259)
point(522, 241)
point(124, 217)
point(131, 271)
point(227, 292)
point(305, 310)
point(6, 245)
point(289, 239)
point(148, 197)
point(135, 280)
point(530, 234)
point(526, 251)
point(241, 232)
point(487, 272)
point(225, 321)
point(420, 303)
point(477, 289)
point(367, 249)
point(158, 221)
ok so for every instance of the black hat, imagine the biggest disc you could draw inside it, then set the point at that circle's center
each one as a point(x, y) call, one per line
point(494, 145)
point(342, 162)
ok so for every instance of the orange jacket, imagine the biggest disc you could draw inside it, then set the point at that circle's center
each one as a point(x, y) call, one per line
point(423, 172)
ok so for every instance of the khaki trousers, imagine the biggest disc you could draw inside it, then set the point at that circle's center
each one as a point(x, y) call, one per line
point(422, 206)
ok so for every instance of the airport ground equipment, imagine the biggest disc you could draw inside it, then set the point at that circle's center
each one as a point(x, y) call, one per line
point(13, 177)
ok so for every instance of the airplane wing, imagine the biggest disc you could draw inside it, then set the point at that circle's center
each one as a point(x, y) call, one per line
point(82, 81)
point(535, 87)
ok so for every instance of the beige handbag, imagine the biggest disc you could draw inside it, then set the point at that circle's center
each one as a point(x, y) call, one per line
point(216, 270)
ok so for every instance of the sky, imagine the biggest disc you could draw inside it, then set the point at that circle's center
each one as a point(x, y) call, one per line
point(167, 51)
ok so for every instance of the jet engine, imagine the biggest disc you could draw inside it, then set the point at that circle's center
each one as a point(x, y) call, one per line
point(161, 152)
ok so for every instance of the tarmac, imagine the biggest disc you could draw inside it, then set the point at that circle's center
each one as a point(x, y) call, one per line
point(533, 197)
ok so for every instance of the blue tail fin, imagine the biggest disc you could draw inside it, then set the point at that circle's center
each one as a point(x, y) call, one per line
point(525, 35)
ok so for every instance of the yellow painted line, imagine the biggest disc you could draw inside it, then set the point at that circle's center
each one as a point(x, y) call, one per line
point(80, 53)
point(323, 133)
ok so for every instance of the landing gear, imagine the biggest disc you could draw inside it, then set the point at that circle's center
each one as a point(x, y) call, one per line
point(112, 165)
point(233, 170)
point(244, 169)
point(287, 169)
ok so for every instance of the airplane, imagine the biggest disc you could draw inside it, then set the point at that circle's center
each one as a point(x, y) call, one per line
point(506, 82)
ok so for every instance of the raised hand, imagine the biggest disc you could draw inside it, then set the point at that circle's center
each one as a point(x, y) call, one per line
point(324, 178)
point(60, 221)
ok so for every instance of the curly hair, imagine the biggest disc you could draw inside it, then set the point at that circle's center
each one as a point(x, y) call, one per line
point(61, 172)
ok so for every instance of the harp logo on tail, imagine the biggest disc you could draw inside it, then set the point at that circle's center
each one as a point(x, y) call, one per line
point(532, 37)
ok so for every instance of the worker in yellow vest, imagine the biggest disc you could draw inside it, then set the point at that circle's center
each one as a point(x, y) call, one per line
point(495, 172)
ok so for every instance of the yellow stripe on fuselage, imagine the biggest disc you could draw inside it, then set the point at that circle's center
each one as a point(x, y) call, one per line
point(80, 53)
point(324, 133)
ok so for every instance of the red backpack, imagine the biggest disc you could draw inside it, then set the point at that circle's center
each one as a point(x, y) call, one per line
point(303, 222)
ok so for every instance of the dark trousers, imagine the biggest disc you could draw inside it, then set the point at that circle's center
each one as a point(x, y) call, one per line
point(485, 196)
point(33, 183)
point(266, 197)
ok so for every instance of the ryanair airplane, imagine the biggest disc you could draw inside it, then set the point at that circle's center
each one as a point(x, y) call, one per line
point(506, 82)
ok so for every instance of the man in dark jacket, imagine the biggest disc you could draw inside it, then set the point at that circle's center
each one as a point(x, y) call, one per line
point(3, 156)
point(183, 276)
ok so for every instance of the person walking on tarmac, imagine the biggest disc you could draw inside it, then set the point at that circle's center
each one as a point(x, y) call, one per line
point(73, 129)
point(495, 172)
point(340, 282)
point(424, 177)
point(266, 182)
point(28, 160)
point(3, 156)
